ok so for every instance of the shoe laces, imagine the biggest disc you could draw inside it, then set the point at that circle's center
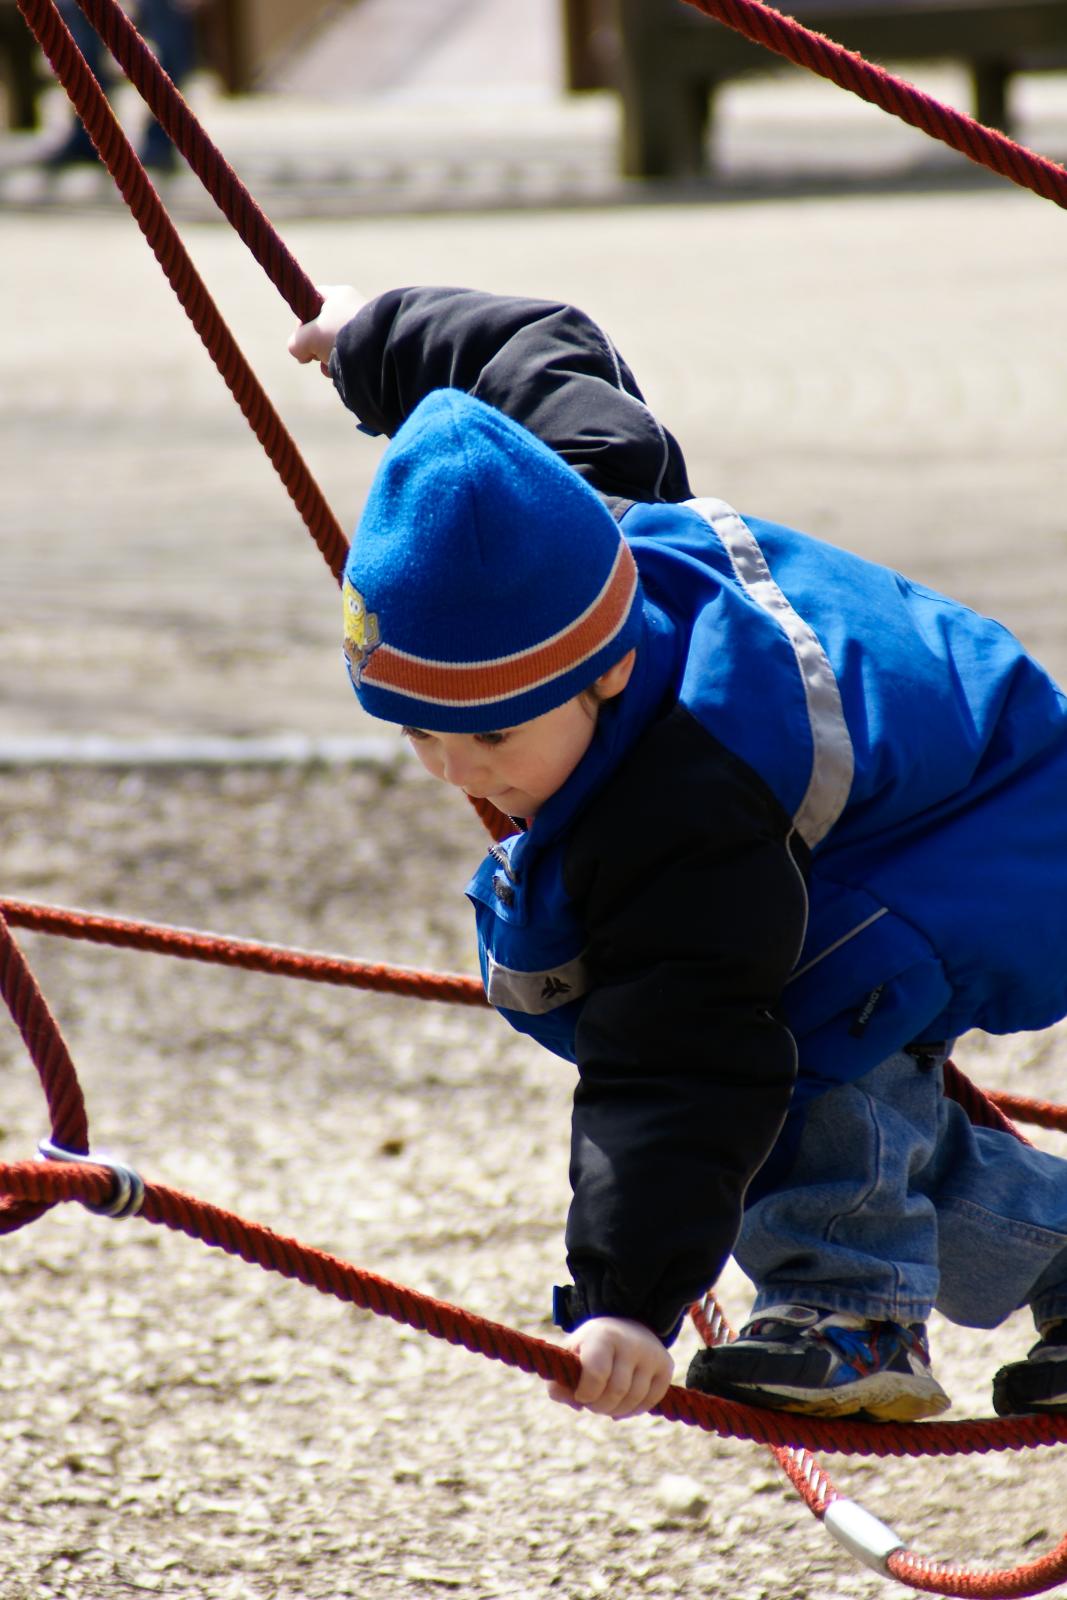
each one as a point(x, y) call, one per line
point(855, 1344)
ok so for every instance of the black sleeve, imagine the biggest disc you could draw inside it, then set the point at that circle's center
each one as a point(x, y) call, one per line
point(544, 364)
point(695, 907)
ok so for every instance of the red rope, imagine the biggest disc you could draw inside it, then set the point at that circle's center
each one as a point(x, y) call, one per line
point(119, 157)
point(762, 24)
point(233, 199)
point(994, 1109)
point(819, 1492)
point(59, 1080)
point(946, 1577)
point(161, 939)
point(49, 1182)
point(800, 1466)
point(1042, 1113)
point(30, 1188)
point(252, 225)
point(985, 1108)
point(497, 823)
point(980, 1109)
point(274, 1252)
point(849, 70)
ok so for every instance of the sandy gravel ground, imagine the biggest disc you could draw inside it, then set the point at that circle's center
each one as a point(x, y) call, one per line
point(177, 1423)
point(885, 370)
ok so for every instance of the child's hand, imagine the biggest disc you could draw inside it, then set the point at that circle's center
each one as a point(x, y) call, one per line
point(314, 341)
point(625, 1369)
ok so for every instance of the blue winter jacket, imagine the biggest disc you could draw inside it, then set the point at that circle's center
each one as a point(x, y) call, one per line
point(825, 820)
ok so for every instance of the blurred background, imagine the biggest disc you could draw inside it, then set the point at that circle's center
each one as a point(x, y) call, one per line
point(849, 328)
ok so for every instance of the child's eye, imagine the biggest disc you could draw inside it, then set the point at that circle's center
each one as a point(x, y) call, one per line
point(490, 738)
point(414, 733)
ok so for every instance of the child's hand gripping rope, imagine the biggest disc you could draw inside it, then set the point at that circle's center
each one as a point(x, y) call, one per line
point(314, 341)
point(625, 1369)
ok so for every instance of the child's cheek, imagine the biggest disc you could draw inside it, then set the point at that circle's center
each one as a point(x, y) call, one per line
point(429, 760)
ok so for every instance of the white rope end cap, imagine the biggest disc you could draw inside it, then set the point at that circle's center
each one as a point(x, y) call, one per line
point(869, 1540)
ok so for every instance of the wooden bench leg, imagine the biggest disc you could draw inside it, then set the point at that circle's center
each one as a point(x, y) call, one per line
point(590, 45)
point(665, 125)
point(990, 81)
point(19, 69)
point(221, 29)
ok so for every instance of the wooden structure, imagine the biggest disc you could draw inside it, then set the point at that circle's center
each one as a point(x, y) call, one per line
point(237, 40)
point(19, 73)
point(666, 59)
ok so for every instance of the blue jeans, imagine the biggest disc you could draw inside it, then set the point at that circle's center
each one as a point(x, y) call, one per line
point(894, 1203)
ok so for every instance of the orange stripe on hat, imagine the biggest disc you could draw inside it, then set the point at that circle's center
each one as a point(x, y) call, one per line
point(472, 683)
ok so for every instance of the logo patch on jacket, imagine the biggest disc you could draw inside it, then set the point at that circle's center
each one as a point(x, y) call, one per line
point(535, 992)
point(554, 986)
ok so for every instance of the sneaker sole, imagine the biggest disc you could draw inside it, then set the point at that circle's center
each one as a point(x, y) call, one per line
point(1026, 1389)
point(884, 1397)
point(1033, 1408)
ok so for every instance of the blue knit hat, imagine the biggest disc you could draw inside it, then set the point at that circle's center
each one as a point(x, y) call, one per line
point(487, 583)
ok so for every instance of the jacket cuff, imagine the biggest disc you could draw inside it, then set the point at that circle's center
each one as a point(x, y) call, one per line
point(338, 377)
point(571, 1306)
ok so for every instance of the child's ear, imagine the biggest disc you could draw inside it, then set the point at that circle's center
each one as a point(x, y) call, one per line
point(614, 681)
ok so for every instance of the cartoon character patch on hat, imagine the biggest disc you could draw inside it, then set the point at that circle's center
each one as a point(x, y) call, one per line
point(501, 581)
point(362, 634)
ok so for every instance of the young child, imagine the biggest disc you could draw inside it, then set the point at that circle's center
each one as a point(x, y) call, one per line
point(785, 825)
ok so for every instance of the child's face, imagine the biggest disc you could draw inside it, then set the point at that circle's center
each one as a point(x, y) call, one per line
point(519, 768)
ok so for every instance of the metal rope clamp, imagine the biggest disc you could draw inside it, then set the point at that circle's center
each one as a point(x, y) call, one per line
point(127, 1195)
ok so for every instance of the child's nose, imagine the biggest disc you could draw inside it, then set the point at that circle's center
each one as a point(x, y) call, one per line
point(461, 767)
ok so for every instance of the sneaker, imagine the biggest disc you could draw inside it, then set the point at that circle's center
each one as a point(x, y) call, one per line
point(1040, 1382)
point(824, 1364)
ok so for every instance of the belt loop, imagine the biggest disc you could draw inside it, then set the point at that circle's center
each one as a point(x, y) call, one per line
point(929, 1053)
